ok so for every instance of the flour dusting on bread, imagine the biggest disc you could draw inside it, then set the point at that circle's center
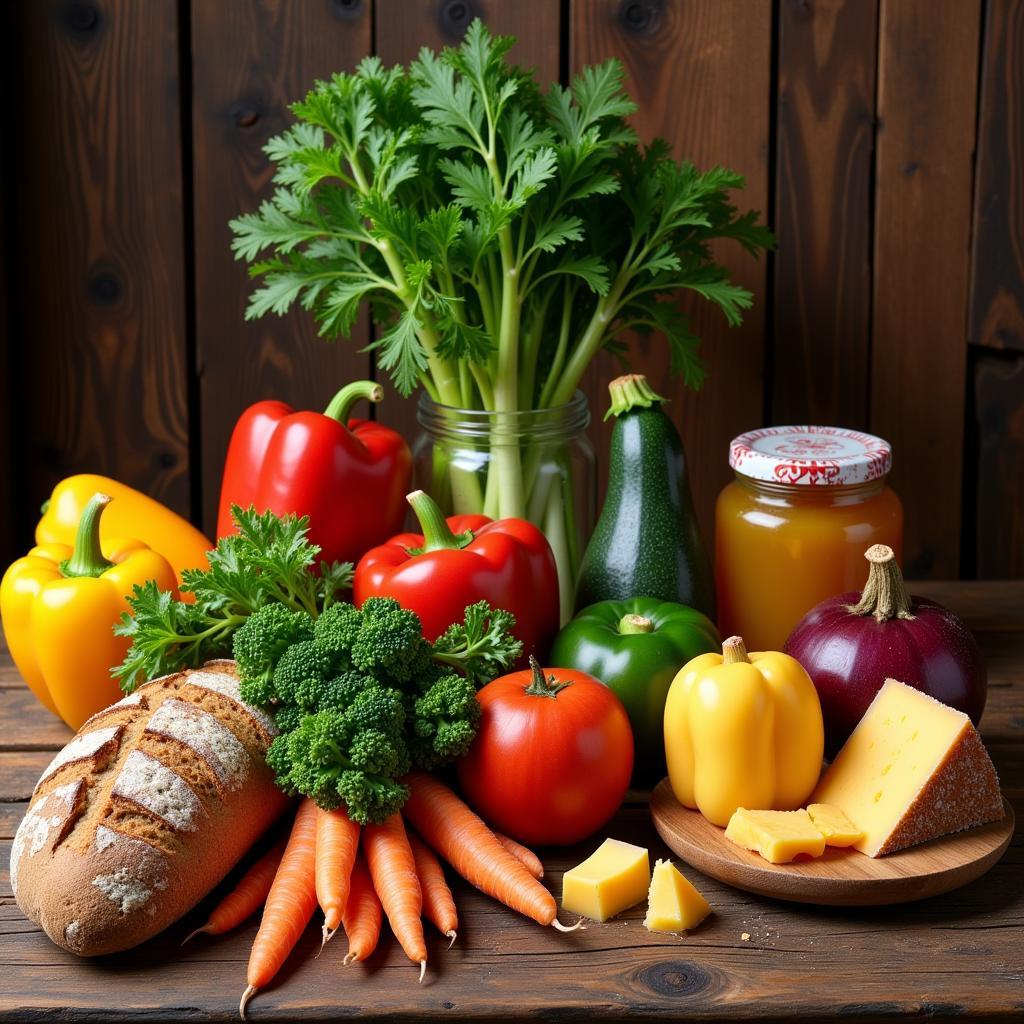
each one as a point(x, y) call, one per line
point(227, 686)
point(81, 747)
point(208, 737)
point(144, 811)
point(147, 782)
point(44, 817)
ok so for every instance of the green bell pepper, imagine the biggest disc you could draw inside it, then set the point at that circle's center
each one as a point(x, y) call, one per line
point(635, 648)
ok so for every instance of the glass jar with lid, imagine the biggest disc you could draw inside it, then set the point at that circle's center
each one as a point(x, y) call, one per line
point(791, 529)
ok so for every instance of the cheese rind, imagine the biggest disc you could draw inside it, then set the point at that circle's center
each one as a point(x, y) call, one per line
point(673, 904)
point(913, 770)
point(615, 877)
point(835, 826)
point(778, 836)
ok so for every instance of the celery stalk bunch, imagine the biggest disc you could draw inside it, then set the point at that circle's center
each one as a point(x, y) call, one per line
point(501, 235)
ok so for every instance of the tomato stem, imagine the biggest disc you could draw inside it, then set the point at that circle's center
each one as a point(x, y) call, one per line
point(544, 686)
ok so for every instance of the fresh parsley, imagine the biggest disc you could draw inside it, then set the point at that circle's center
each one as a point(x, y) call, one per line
point(270, 560)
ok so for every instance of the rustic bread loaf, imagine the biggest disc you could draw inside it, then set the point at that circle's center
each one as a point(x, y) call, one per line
point(144, 811)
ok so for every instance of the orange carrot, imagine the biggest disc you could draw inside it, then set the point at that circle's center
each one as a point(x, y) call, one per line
point(438, 905)
point(337, 840)
point(523, 854)
point(290, 904)
point(362, 915)
point(246, 898)
point(472, 849)
point(393, 870)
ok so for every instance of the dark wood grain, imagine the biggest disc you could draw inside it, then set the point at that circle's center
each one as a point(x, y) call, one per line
point(997, 279)
point(699, 71)
point(103, 361)
point(999, 407)
point(755, 959)
point(49, 733)
point(824, 159)
point(403, 27)
point(249, 61)
point(927, 86)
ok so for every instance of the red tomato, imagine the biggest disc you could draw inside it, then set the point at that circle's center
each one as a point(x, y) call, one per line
point(553, 757)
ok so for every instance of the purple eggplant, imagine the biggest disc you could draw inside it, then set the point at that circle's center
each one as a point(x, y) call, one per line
point(852, 643)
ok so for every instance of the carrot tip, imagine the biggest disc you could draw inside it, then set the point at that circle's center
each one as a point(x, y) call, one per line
point(192, 935)
point(454, 936)
point(350, 958)
point(249, 992)
point(423, 970)
point(326, 935)
point(568, 928)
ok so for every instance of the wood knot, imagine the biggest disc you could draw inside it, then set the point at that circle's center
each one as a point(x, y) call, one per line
point(346, 10)
point(81, 18)
point(104, 287)
point(675, 978)
point(456, 15)
point(246, 113)
point(640, 16)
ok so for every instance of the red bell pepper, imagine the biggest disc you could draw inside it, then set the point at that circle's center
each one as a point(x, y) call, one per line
point(349, 479)
point(461, 560)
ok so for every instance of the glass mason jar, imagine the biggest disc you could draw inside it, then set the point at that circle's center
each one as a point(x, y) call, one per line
point(792, 527)
point(537, 464)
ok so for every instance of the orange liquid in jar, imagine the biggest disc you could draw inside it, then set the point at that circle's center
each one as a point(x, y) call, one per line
point(780, 549)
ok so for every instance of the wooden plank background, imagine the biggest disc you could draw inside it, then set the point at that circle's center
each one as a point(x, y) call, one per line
point(883, 140)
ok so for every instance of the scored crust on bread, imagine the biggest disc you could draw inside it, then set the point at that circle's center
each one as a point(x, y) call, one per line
point(144, 811)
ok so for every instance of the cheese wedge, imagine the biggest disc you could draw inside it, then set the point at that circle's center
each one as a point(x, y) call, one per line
point(778, 836)
point(612, 879)
point(835, 826)
point(673, 904)
point(913, 769)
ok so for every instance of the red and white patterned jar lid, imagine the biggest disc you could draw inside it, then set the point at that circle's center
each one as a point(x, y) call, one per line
point(810, 456)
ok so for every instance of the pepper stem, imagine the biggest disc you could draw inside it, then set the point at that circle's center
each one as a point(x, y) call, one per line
point(734, 651)
point(544, 686)
point(631, 391)
point(884, 595)
point(341, 404)
point(87, 558)
point(630, 624)
point(437, 534)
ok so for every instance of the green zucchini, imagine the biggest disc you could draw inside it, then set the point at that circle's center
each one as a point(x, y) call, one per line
point(646, 543)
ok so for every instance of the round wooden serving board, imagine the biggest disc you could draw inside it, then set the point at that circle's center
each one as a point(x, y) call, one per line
point(840, 877)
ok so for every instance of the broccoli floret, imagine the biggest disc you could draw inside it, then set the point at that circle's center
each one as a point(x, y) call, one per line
point(445, 721)
point(390, 641)
point(287, 717)
point(336, 631)
point(351, 757)
point(301, 673)
point(259, 644)
point(340, 691)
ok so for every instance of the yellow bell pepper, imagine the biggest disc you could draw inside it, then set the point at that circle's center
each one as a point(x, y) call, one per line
point(742, 731)
point(132, 514)
point(59, 605)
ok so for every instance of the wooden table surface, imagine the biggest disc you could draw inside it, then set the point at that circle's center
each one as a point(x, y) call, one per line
point(754, 959)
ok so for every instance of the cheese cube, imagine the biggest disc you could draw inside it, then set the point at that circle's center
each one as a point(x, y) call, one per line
point(673, 904)
point(778, 836)
point(612, 879)
point(913, 769)
point(835, 826)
